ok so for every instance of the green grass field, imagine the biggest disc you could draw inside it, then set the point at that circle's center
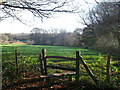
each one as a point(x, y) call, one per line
point(28, 62)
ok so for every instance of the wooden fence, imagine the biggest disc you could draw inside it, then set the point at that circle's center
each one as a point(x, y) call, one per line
point(43, 65)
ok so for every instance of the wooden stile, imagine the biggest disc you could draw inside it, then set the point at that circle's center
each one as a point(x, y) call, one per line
point(43, 66)
point(78, 59)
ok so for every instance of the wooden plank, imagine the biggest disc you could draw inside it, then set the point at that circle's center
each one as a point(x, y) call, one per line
point(69, 73)
point(50, 76)
point(62, 68)
point(57, 75)
point(61, 57)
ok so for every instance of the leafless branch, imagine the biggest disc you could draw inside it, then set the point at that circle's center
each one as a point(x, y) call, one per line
point(39, 9)
point(90, 3)
point(96, 1)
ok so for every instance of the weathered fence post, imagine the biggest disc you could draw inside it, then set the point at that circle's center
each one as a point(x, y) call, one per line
point(108, 68)
point(77, 67)
point(44, 60)
point(41, 64)
point(16, 61)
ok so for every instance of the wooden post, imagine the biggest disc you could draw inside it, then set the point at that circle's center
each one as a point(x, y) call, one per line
point(16, 61)
point(108, 68)
point(44, 60)
point(41, 64)
point(77, 67)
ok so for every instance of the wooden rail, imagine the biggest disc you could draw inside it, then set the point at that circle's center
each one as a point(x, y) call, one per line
point(58, 57)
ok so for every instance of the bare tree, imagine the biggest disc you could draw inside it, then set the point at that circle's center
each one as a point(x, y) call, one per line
point(39, 8)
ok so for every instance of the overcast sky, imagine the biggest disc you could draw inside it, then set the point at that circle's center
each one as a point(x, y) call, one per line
point(66, 21)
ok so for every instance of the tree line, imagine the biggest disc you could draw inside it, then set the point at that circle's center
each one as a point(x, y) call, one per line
point(42, 37)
